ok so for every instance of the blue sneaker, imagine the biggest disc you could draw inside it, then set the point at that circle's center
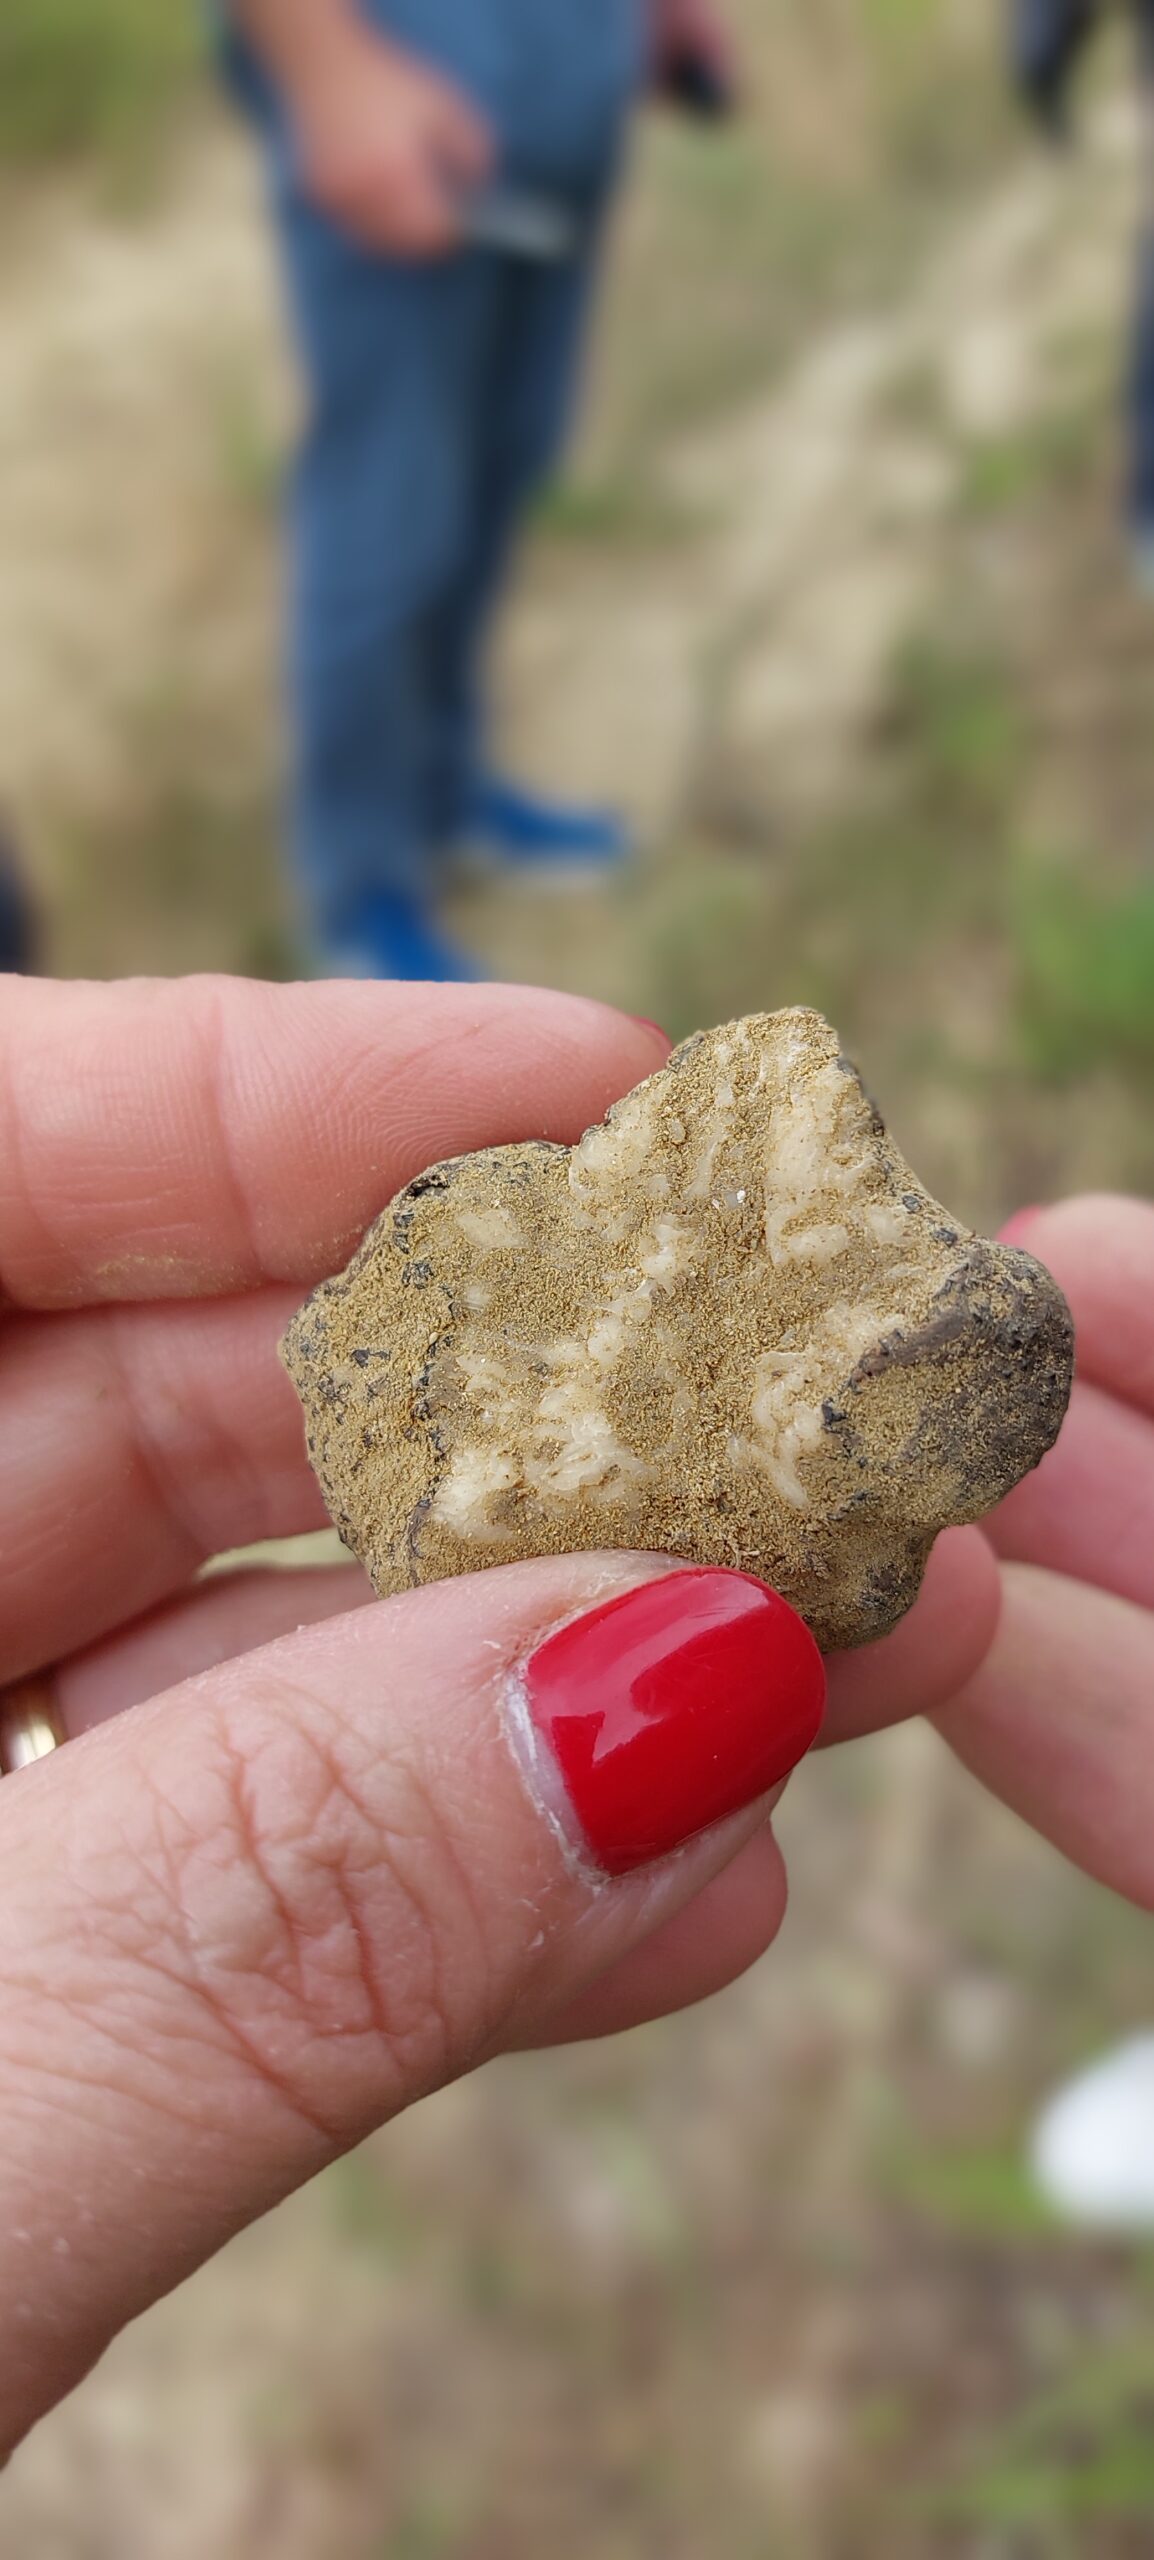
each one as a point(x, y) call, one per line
point(509, 829)
point(387, 936)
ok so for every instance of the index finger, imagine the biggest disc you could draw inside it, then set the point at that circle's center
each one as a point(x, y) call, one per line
point(176, 1139)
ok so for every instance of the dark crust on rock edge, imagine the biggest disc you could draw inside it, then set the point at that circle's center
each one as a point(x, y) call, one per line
point(731, 1327)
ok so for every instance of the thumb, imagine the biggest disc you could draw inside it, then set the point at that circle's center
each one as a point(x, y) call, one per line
point(245, 1923)
point(463, 141)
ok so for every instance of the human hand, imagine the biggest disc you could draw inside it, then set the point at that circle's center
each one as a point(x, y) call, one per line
point(693, 31)
point(1059, 1719)
point(290, 1873)
point(387, 146)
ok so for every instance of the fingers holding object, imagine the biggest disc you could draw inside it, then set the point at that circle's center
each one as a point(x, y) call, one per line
point(704, 1947)
point(732, 1923)
point(1088, 1510)
point(137, 1444)
point(930, 1656)
point(232, 1613)
point(247, 1922)
point(1059, 1722)
point(176, 1428)
point(1100, 1249)
point(172, 1140)
point(225, 1615)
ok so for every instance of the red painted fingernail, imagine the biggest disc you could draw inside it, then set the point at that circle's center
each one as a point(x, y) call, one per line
point(674, 1705)
point(655, 1027)
point(1017, 1228)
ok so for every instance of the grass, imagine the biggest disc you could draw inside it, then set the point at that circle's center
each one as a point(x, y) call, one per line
point(250, 450)
point(1079, 2453)
point(855, 137)
point(979, 2191)
point(622, 509)
point(368, 2216)
point(886, 886)
point(1085, 960)
point(194, 855)
point(1002, 473)
point(953, 716)
point(431, 2525)
point(925, 872)
point(91, 80)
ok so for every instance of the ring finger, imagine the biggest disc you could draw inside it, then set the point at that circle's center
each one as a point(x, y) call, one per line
point(137, 1444)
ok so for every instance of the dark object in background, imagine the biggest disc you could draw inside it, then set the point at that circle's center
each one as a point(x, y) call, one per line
point(1047, 40)
point(17, 934)
point(693, 82)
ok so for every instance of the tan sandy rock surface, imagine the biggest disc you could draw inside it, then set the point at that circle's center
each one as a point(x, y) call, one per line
point(730, 1325)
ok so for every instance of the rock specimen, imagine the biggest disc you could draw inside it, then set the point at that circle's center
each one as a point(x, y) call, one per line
point(730, 1325)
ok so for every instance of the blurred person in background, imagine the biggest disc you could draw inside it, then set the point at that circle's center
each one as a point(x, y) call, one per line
point(440, 173)
point(1049, 38)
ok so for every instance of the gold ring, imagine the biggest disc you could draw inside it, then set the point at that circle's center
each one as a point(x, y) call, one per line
point(30, 1724)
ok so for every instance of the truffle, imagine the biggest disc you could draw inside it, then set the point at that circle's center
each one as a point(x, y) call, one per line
point(729, 1326)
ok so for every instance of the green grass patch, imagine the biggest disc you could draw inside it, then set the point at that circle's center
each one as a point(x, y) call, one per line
point(981, 2192)
point(890, 886)
point(953, 717)
point(710, 951)
point(614, 509)
point(1006, 472)
point(250, 448)
point(367, 2212)
point(431, 2526)
point(189, 873)
point(1085, 960)
point(91, 79)
point(1080, 2453)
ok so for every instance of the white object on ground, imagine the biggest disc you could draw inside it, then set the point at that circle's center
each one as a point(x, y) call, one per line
point(1092, 2149)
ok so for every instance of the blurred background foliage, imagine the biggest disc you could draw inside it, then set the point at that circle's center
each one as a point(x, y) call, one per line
point(834, 597)
point(89, 78)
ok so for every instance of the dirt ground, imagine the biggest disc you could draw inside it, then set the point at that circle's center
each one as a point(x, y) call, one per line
point(855, 648)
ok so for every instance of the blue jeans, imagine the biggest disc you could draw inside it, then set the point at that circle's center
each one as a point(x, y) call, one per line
point(440, 397)
point(438, 400)
point(1141, 393)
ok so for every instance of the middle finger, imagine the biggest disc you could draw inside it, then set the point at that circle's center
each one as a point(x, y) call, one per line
point(137, 1443)
point(223, 1616)
point(1088, 1510)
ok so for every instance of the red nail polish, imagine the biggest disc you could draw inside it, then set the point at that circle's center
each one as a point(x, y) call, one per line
point(672, 1706)
point(655, 1027)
